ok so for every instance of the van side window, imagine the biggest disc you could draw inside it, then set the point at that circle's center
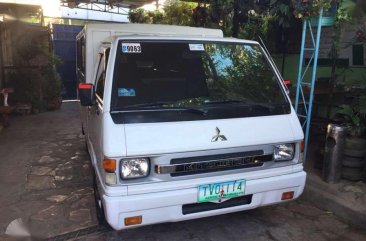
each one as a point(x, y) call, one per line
point(80, 55)
point(100, 80)
point(101, 74)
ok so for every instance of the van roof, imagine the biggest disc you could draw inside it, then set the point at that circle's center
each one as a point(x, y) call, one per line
point(156, 30)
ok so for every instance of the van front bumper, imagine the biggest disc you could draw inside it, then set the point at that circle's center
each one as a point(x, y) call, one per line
point(167, 206)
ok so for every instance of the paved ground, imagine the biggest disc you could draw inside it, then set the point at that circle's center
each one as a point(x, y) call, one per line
point(45, 174)
point(292, 221)
point(45, 180)
point(346, 198)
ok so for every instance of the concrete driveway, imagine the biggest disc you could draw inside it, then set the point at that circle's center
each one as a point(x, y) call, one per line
point(45, 179)
point(45, 175)
point(293, 221)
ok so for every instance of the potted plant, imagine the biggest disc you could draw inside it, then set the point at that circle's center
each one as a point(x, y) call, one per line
point(355, 145)
point(310, 9)
point(353, 119)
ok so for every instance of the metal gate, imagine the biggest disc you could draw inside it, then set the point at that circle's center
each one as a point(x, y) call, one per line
point(64, 46)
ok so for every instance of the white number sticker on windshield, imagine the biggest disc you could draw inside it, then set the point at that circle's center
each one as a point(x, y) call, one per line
point(196, 47)
point(131, 48)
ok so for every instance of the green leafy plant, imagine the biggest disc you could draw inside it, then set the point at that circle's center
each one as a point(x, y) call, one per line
point(282, 12)
point(143, 16)
point(355, 113)
point(174, 12)
point(35, 80)
point(22, 80)
point(354, 118)
point(350, 115)
point(309, 8)
point(257, 25)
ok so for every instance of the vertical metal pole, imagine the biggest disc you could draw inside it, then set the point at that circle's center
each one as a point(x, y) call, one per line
point(308, 118)
point(299, 77)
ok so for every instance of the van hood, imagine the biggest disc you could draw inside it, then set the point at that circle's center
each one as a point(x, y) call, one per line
point(146, 139)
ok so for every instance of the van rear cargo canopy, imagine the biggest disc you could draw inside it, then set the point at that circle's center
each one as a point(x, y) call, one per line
point(93, 35)
point(156, 30)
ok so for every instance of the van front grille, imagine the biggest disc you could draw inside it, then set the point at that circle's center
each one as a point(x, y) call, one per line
point(213, 163)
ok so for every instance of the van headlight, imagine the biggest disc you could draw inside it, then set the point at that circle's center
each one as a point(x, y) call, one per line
point(135, 168)
point(284, 152)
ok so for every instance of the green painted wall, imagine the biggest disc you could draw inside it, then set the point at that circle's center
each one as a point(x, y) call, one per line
point(320, 106)
point(292, 67)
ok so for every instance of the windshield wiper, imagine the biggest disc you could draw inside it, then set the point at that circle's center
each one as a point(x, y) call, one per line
point(225, 102)
point(247, 103)
point(152, 104)
point(269, 106)
point(166, 106)
point(194, 110)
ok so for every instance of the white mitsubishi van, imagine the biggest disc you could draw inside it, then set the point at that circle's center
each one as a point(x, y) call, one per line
point(182, 123)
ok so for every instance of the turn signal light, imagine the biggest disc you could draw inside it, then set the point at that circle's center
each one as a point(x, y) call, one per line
point(109, 165)
point(302, 146)
point(133, 220)
point(287, 196)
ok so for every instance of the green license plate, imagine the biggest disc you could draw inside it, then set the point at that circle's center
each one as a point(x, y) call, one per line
point(220, 191)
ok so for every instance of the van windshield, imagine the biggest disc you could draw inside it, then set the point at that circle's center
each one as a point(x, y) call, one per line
point(185, 80)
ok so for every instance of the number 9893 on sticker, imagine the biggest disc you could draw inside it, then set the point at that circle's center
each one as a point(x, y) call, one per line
point(131, 48)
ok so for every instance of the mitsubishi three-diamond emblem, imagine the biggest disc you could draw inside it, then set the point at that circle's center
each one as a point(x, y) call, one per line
point(218, 136)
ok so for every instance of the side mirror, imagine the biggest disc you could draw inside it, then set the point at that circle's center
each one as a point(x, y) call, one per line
point(287, 83)
point(86, 94)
